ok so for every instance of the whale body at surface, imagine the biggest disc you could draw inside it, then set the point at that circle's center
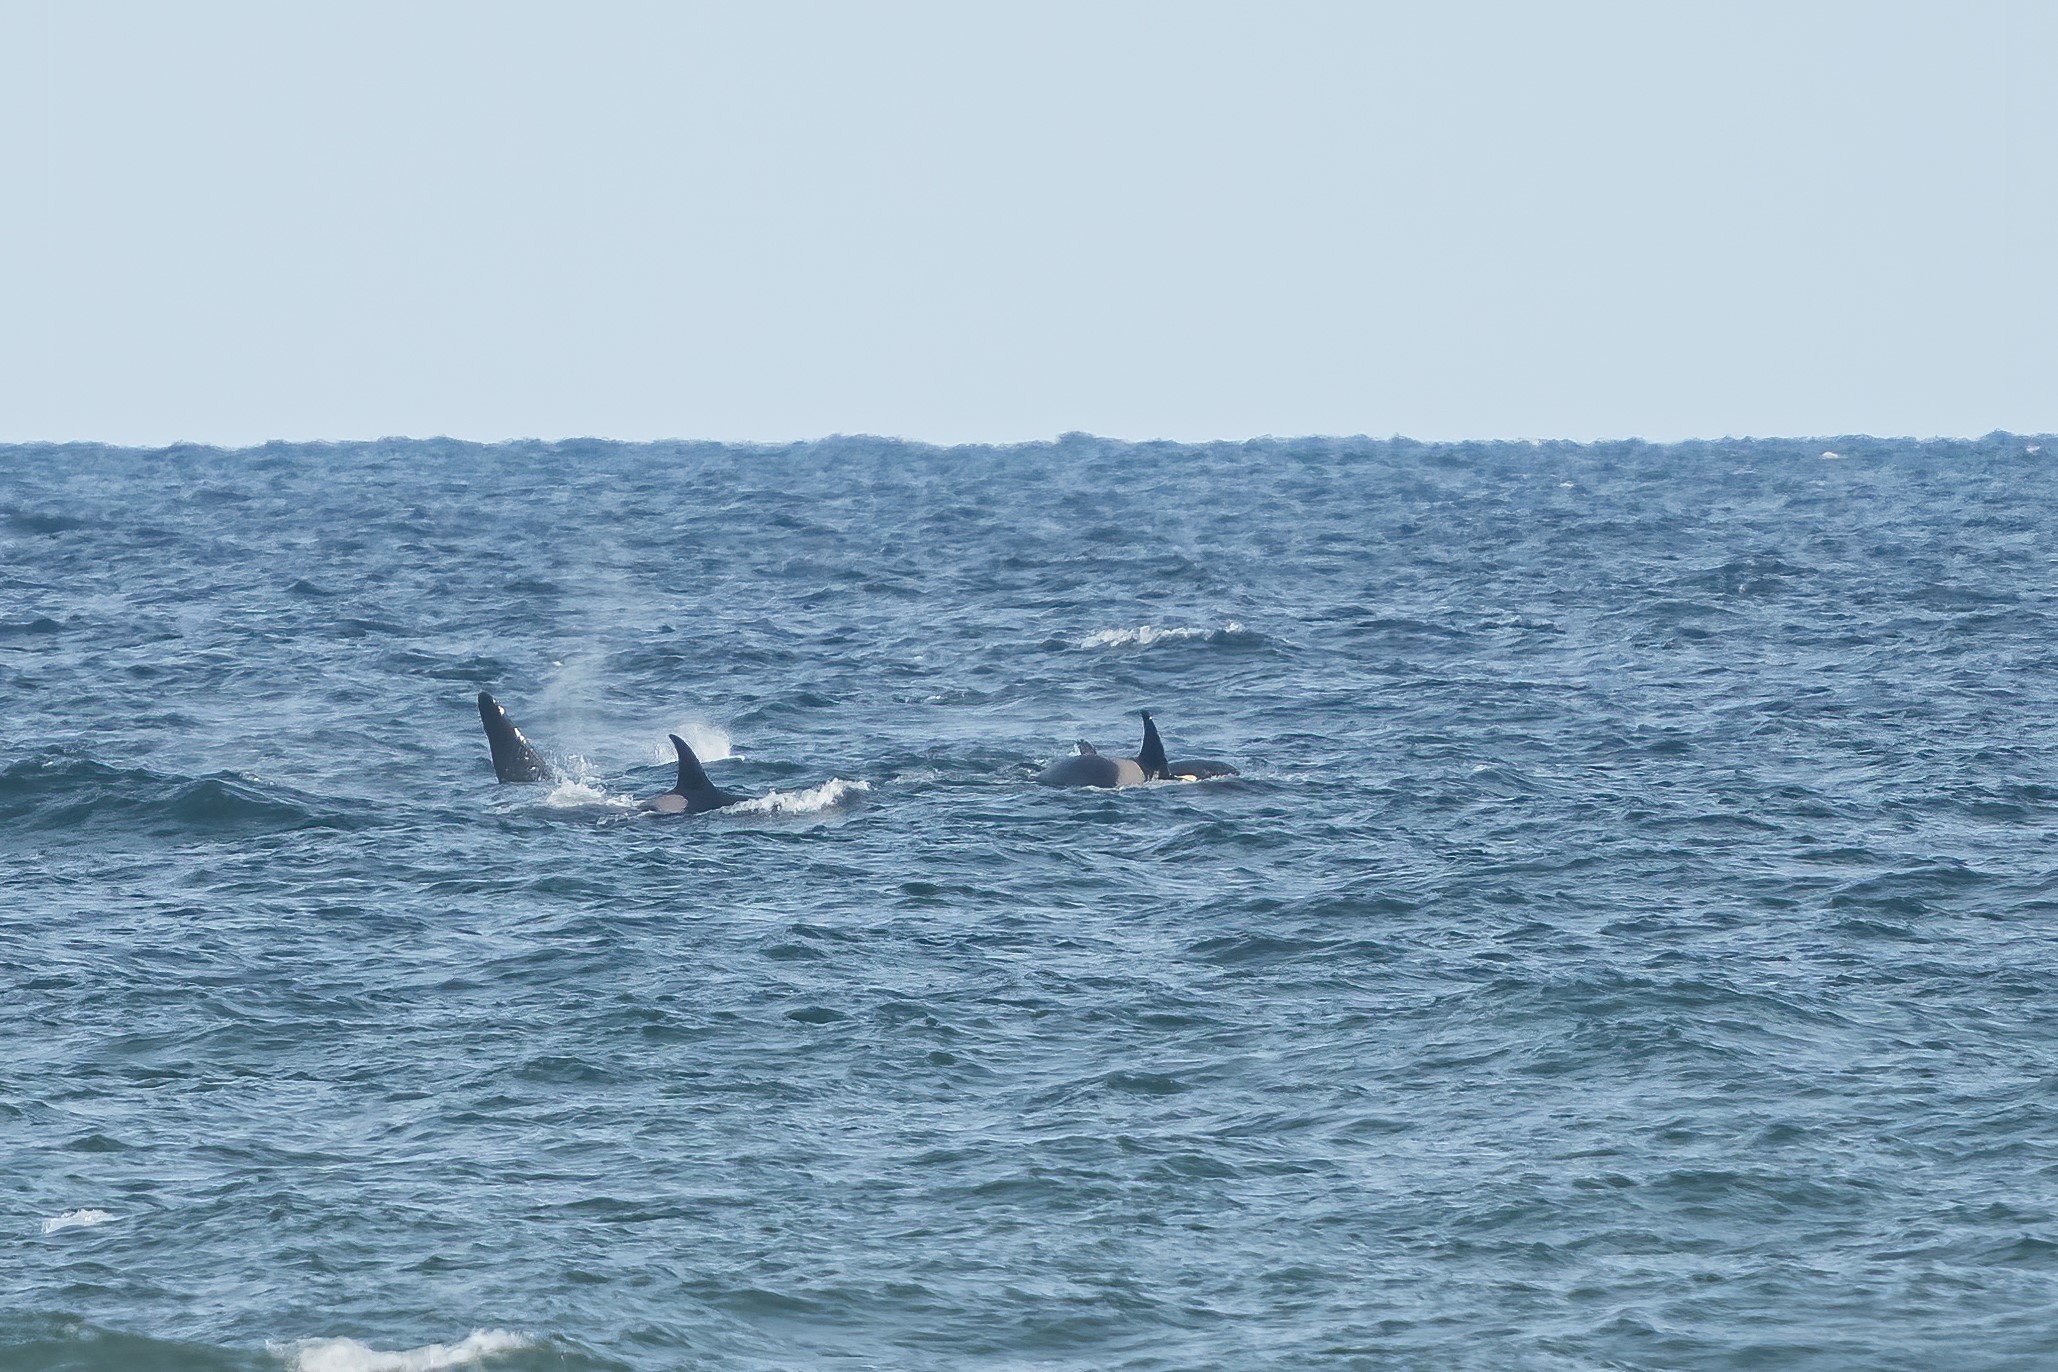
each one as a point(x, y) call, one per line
point(1089, 768)
point(693, 792)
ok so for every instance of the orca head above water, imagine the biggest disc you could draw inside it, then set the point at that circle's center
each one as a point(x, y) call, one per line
point(514, 759)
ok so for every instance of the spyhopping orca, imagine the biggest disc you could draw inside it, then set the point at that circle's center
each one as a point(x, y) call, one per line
point(513, 758)
point(1089, 768)
point(693, 792)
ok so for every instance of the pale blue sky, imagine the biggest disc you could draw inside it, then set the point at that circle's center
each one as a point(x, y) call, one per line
point(228, 222)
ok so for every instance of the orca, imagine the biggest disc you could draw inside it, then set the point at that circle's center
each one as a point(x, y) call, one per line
point(693, 792)
point(1089, 768)
point(513, 757)
point(516, 759)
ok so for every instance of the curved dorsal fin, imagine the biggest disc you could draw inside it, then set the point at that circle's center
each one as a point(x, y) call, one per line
point(1151, 756)
point(1087, 749)
point(692, 779)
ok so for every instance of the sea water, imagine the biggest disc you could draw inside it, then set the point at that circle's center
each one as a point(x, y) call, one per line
point(1629, 942)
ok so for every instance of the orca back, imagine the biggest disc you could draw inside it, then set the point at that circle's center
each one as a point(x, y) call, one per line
point(693, 792)
point(1084, 769)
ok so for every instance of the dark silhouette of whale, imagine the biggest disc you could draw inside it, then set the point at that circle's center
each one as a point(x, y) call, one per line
point(693, 792)
point(513, 757)
point(1090, 768)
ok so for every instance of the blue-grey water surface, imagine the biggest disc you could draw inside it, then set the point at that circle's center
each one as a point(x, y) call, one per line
point(1629, 943)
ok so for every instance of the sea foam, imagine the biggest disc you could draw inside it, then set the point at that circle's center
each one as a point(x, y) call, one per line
point(1145, 635)
point(811, 801)
point(580, 795)
point(348, 1355)
point(75, 1219)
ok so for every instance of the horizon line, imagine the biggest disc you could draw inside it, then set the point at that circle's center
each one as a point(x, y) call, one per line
point(1045, 441)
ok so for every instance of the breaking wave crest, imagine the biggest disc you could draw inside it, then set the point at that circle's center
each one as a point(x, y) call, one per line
point(583, 795)
point(1144, 635)
point(348, 1355)
point(75, 1219)
point(814, 800)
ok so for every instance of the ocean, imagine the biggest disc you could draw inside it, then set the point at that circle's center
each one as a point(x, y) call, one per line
point(1628, 944)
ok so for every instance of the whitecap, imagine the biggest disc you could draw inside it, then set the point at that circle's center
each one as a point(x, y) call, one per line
point(580, 795)
point(348, 1355)
point(811, 801)
point(75, 1219)
point(1832, 457)
point(1144, 635)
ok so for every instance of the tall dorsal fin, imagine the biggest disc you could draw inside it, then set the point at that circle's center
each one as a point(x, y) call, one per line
point(1151, 756)
point(692, 778)
point(1087, 749)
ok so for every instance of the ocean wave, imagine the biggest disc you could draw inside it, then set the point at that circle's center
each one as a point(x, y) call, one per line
point(76, 1219)
point(814, 800)
point(1516, 620)
point(348, 1355)
point(1144, 635)
point(48, 1339)
point(42, 521)
point(230, 800)
point(63, 791)
point(1623, 974)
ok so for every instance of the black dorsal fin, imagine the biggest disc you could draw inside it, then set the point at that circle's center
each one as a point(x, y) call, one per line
point(692, 779)
point(1087, 749)
point(1151, 756)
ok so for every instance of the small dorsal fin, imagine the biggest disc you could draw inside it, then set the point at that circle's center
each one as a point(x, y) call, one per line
point(692, 778)
point(1151, 756)
point(1087, 749)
